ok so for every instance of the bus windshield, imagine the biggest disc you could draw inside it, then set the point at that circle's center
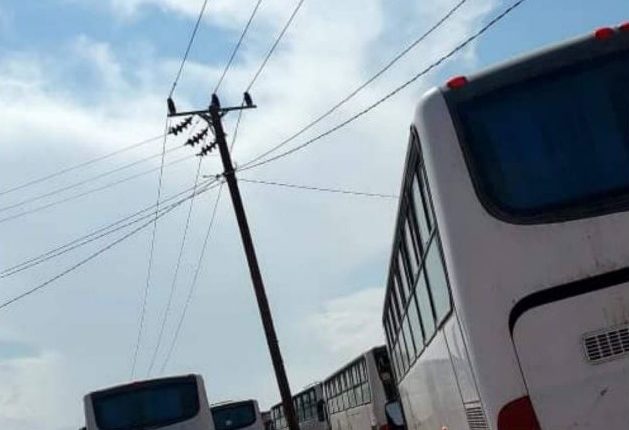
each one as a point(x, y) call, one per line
point(554, 146)
point(233, 416)
point(152, 406)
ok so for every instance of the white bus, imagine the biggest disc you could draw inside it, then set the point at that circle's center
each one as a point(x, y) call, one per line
point(358, 393)
point(507, 306)
point(243, 415)
point(309, 407)
point(174, 403)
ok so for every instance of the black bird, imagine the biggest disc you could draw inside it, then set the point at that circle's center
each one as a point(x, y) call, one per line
point(248, 101)
point(172, 109)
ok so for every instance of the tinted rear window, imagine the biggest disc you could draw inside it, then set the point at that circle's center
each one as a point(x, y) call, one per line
point(556, 146)
point(149, 406)
point(233, 417)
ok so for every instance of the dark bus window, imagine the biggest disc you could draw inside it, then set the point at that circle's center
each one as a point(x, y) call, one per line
point(425, 309)
point(413, 248)
point(553, 147)
point(420, 212)
point(413, 316)
point(231, 417)
point(153, 405)
point(404, 279)
point(437, 281)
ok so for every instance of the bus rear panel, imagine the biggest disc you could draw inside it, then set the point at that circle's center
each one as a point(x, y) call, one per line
point(177, 403)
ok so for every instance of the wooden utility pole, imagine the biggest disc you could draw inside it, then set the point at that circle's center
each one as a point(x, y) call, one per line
point(213, 116)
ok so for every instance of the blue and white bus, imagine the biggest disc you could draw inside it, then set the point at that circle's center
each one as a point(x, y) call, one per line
point(174, 403)
point(507, 305)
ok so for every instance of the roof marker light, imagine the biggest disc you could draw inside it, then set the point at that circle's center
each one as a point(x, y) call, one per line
point(457, 82)
point(624, 27)
point(604, 33)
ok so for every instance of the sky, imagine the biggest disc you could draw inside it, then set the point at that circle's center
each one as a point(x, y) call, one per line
point(82, 78)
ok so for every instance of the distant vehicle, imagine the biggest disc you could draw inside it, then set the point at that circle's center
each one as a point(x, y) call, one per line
point(243, 415)
point(357, 394)
point(267, 420)
point(309, 407)
point(174, 403)
point(507, 304)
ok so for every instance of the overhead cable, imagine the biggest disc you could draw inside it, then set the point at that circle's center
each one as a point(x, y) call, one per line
point(80, 165)
point(173, 285)
point(237, 47)
point(151, 252)
point(91, 191)
point(92, 256)
point(250, 165)
point(188, 48)
point(327, 190)
point(274, 46)
point(83, 182)
point(92, 236)
point(365, 84)
point(193, 284)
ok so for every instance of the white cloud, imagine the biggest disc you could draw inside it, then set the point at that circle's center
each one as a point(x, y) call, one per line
point(347, 326)
point(30, 395)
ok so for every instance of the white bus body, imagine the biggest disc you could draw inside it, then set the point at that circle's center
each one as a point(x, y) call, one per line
point(358, 393)
point(243, 415)
point(309, 407)
point(174, 403)
point(527, 168)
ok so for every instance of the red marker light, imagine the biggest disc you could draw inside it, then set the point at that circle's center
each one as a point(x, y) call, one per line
point(604, 33)
point(457, 82)
point(624, 27)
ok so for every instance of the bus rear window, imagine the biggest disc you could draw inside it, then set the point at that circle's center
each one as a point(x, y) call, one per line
point(152, 406)
point(233, 416)
point(553, 147)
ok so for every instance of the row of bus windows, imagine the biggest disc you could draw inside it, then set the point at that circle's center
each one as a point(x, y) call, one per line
point(305, 408)
point(349, 388)
point(418, 297)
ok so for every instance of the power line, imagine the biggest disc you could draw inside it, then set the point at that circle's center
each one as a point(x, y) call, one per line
point(327, 190)
point(194, 282)
point(152, 242)
point(188, 48)
point(80, 165)
point(90, 237)
point(274, 46)
point(80, 183)
point(495, 20)
point(368, 82)
point(237, 47)
point(91, 191)
point(173, 285)
point(90, 257)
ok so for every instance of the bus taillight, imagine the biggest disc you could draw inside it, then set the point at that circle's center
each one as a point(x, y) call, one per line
point(604, 33)
point(518, 415)
point(457, 82)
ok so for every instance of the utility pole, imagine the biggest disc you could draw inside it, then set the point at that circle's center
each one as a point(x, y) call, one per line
point(213, 116)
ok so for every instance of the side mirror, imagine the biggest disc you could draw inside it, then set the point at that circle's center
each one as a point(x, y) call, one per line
point(395, 416)
point(321, 415)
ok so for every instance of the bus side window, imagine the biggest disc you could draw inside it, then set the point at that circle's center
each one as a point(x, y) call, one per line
point(437, 280)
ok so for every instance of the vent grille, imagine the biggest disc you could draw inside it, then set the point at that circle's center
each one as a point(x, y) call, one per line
point(476, 418)
point(607, 345)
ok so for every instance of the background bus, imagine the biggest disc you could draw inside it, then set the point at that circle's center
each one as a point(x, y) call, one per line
point(243, 415)
point(506, 306)
point(310, 409)
point(358, 393)
point(174, 403)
